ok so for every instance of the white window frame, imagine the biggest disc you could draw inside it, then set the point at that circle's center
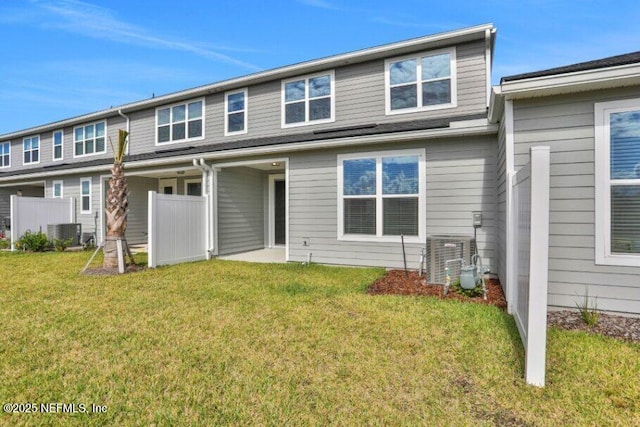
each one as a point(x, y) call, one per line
point(31, 150)
point(186, 122)
point(84, 139)
point(422, 196)
point(306, 78)
point(82, 196)
point(245, 93)
point(53, 189)
point(603, 181)
point(2, 166)
point(53, 145)
point(192, 181)
point(454, 82)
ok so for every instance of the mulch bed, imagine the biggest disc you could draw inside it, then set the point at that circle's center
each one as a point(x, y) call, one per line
point(395, 282)
point(100, 271)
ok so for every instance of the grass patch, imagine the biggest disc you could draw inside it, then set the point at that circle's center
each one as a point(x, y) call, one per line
point(231, 343)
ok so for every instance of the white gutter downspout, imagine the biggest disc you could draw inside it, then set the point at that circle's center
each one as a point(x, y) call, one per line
point(128, 128)
point(212, 207)
point(208, 190)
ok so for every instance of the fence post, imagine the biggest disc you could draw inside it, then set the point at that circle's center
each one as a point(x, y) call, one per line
point(538, 267)
point(13, 209)
point(151, 235)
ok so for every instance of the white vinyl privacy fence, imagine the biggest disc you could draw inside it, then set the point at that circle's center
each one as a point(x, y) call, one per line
point(176, 229)
point(528, 296)
point(35, 213)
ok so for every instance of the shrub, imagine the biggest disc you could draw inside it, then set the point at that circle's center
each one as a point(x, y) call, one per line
point(589, 314)
point(5, 243)
point(33, 242)
point(61, 244)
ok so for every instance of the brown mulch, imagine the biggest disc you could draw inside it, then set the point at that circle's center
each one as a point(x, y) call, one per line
point(395, 282)
point(100, 271)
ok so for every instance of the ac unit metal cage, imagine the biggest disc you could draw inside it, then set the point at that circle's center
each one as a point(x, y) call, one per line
point(64, 232)
point(441, 248)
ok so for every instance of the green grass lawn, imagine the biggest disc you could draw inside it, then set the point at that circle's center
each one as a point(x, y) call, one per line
point(230, 343)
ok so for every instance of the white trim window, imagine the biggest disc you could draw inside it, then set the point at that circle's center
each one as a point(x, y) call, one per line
point(90, 139)
point(381, 195)
point(57, 139)
point(85, 195)
point(180, 122)
point(5, 154)
point(617, 169)
point(308, 100)
point(31, 150)
point(56, 189)
point(193, 187)
point(235, 111)
point(421, 82)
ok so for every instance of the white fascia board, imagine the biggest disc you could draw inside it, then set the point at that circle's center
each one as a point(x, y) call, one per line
point(393, 49)
point(603, 78)
point(478, 129)
point(496, 105)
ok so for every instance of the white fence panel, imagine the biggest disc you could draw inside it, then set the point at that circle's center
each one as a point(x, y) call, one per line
point(530, 244)
point(176, 229)
point(35, 213)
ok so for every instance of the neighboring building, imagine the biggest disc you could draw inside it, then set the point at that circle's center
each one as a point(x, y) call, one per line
point(340, 156)
point(589, 115)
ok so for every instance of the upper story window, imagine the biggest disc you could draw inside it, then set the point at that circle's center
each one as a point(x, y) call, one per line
point(381, 196)
point(235, 107)
point(5, 154)
point(57, 138)
point(617, 163)
point(180, 122)
point(89, 139)
point(308, 100)
point(421, 82)
point(31, 147)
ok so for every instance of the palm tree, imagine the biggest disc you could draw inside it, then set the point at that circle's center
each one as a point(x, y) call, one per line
point(117, 207)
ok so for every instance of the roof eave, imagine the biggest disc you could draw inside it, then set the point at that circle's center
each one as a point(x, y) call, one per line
point(399, 48)
point(580, 81)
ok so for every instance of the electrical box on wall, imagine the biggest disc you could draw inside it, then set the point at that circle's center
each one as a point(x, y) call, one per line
point(477, 219)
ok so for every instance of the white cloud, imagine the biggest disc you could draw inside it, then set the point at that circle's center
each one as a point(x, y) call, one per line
point(99, 22)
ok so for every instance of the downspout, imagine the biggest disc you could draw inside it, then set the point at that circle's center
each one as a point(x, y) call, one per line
point(212, 204)
point(205, 192)
point(128, 128)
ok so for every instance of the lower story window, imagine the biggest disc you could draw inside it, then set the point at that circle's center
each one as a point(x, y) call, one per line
point(618, 182)
point(381, 195)
point(57, 189)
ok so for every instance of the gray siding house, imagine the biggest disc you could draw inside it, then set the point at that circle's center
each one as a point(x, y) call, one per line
point(589, 116)
point(341, 156)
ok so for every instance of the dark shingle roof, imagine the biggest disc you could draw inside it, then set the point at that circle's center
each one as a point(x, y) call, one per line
point(612, 61)
point(335, 133)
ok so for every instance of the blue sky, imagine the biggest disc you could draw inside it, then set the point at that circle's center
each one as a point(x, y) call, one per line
point(63, 58)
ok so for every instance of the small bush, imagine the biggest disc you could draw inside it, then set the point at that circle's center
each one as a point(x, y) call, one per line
point(33, 242)
point(61, 244)
point(471, 293)
point(5, 243)
point(589, 314)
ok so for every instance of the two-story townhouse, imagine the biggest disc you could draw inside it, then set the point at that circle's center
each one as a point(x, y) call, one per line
point(338, 156)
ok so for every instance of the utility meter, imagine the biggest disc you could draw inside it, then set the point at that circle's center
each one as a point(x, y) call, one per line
point(477, 219)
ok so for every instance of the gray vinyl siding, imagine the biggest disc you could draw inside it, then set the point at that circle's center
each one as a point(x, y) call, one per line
point(241, 216)
point(501, 206)
point(566, 124)
point(137, 220)
point(46, 146)
point(460, 179)
point(359, 99)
